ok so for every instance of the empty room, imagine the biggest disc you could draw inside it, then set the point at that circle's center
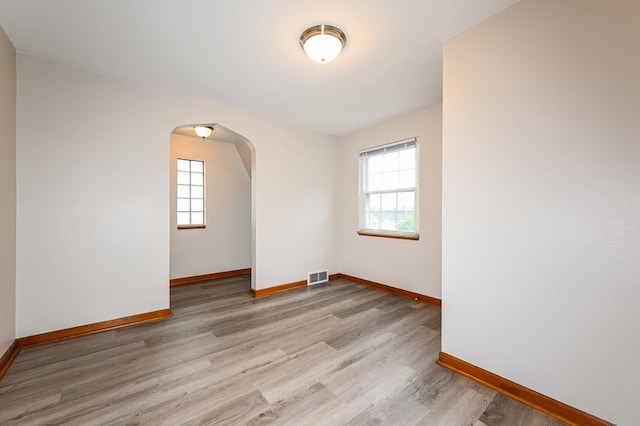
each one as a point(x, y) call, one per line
point(324, 213)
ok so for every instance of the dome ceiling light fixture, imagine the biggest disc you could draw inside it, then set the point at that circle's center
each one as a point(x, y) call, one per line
point(323, 43)
point(203, 131)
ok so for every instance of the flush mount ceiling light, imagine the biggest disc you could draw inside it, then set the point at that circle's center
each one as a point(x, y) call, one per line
point(323, 43)
point(203, 131)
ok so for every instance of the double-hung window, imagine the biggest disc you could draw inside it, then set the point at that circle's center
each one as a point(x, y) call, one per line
point(190, 203)
point(389, 190)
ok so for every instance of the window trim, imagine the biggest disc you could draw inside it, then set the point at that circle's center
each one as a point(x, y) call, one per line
point(404, 235)
point(202, 225)
point(400, 235)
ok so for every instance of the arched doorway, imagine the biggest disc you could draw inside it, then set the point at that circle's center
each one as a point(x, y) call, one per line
point(212, 216)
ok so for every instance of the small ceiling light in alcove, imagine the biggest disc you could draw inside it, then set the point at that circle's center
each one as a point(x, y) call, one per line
point(203, 131)
point(323, 43)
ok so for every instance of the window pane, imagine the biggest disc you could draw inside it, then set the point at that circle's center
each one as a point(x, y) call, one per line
point(184, 204)
point(390, 180)
point(390, 161)
point(183, 178)
point(197, 192)
point(388, 221)
point(372, 221)
point(197, 179)
point(374, 202)
point(406, 221)
point(197, 218)
point(389, 201)
point(183, 219)
point(406, 201)
point(197, 205)
point(374, 182)
point(183, 191)
point(408, 158)
point(183, 165)
point(197, 166)
point(375, 164)
point(407, 179)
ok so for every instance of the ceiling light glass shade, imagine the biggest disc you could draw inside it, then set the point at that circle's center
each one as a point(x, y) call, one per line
point(323, 43)
point(203, 132)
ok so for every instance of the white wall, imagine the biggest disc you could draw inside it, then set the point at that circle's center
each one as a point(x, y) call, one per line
point(541, 201)
point(225, 243)
point(93, 204)
point(7, 192)
point(406, 264)
point(296, 182)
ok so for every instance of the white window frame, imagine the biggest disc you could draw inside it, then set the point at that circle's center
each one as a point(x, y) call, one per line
point(190, 198)
point(364, 191)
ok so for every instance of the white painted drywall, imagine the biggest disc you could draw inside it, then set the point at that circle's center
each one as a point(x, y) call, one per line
point(406, 264)
point(244, 151)
point(541, 201)
point(225, 243)
point(7, 192)
point(295, 180)
point(94, 200)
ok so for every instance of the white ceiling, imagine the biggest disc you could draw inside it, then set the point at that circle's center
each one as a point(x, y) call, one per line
point(246, 53)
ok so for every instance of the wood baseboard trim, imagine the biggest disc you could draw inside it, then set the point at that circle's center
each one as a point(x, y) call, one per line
point(262, 292)
point(285, 287)
point(207, 277)
point(68, 333)
point(533, 399)
point(9, 356)
point(400, 292)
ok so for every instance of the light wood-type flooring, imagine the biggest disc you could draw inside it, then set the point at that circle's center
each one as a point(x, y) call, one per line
point(333, 354)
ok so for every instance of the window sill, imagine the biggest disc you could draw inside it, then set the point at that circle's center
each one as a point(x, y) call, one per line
point(192, 226)
point(383, 234)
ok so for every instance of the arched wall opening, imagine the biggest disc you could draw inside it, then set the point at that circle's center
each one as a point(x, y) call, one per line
point(226, 243)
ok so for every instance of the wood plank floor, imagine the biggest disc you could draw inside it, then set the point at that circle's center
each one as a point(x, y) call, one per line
point(333, 354)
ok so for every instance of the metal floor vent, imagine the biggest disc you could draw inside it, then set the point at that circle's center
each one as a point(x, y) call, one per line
point(317, 277)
